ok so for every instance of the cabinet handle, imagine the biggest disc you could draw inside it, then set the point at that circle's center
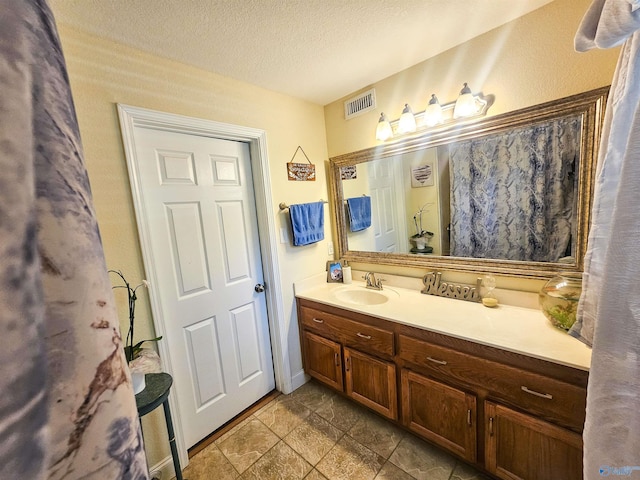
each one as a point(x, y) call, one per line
point(469, 417)
point(337, 358)
point(362, 335)
point(548, 396)
point(318, 320)
point(491, 426)
point(348, 363)
point(439, 362)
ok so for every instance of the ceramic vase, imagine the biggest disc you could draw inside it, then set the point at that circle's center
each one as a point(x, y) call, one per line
point(137, 378)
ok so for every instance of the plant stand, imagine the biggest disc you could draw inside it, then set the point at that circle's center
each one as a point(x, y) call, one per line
point(156, 393)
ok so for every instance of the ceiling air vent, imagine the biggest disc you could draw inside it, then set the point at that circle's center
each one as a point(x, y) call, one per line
point(363, 103)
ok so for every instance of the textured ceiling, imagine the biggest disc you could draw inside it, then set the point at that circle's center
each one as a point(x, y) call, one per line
point(317, 50)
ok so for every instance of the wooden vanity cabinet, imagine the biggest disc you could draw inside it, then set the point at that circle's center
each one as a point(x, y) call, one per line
point(520, 446)
point(440, 413)
point(351, 356)
point(323, 359)
point(371, 382)
point(517, 417)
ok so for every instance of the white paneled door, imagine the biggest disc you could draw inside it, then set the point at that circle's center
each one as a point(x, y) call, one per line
point(384, 206)
point(198, 205)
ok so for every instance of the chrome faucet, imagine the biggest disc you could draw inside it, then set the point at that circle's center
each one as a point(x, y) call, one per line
point(370, 278)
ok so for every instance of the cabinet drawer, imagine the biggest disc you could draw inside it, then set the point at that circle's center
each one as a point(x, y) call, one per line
point(355, 334)
point(552, 399)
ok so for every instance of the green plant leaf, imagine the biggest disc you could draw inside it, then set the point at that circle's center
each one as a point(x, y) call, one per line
point(133, 353)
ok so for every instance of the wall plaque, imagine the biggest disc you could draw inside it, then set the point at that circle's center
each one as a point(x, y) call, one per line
point(348, 172)
point(301, 172)
point(422, 175)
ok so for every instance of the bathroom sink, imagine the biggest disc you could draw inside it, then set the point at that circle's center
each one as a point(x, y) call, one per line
point(361, 296)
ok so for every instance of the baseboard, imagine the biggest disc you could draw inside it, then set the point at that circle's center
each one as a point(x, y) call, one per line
point(165, 468)
point(298, 379)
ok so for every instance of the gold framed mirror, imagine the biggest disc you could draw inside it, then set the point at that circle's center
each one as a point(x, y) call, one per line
point(509, 194)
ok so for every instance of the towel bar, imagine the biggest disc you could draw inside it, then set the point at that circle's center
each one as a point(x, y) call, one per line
point(284, 206)
point(345, 202)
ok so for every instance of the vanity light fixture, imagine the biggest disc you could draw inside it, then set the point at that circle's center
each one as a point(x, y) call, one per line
point(433, 112)
point(383, 131)
point(466, 107)
point(407, 123)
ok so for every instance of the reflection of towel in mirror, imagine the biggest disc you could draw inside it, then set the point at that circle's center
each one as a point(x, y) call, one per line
point(307, 222)
point(359, 213)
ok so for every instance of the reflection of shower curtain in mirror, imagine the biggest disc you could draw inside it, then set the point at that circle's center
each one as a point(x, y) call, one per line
point(513, 196)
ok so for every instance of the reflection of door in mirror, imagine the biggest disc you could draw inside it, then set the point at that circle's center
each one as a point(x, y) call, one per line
point(382, 181)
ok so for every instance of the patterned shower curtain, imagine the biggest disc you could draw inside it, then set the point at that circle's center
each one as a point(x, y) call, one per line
point(67, 409)
point(513, 195)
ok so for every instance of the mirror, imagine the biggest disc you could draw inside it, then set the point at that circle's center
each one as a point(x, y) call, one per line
point(509, 194)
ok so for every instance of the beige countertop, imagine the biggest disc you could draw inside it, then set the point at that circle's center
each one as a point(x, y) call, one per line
point(517, 329)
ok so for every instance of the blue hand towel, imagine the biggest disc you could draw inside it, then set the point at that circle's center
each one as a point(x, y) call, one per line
point(359, 213)
point(307, 222)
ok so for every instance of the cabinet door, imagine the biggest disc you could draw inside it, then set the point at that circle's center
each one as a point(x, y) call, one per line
point(371, 382)
point(440, 413)
point(322, 359)
point(522, 447)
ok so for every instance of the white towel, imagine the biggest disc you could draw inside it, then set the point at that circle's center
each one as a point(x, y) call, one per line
point(609, 311)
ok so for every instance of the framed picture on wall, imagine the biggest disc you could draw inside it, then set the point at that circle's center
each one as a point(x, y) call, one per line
point(334, 272)
point(422, 175)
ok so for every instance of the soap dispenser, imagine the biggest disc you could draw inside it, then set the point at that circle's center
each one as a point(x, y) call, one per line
point(346, 273)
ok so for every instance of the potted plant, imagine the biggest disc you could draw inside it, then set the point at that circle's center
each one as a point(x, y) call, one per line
point(133, 350)
point(422, 237)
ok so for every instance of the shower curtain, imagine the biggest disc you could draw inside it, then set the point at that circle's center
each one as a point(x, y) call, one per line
point(67, 404)
point(513, 195)
point(609, 309)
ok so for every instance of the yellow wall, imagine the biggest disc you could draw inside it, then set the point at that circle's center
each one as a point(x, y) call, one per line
point(104, 73)
point(526, 62)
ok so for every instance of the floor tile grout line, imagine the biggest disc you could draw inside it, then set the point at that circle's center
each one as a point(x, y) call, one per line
point(263, 454)
point(235, 433)
point(391, 455)
point(281, 439)
point(375, 453)
point(237, 428)
point(343, 433)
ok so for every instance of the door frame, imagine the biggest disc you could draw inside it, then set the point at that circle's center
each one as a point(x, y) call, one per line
point(132, 117)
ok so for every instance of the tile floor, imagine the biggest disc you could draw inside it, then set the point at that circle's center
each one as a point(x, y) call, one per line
point(316, 434)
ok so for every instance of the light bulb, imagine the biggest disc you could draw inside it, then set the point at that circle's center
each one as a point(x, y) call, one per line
point(465, 104)
point(433, 112)
point(383, 130)
point(407, 122)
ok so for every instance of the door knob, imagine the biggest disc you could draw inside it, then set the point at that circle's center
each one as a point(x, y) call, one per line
point(259, 288)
